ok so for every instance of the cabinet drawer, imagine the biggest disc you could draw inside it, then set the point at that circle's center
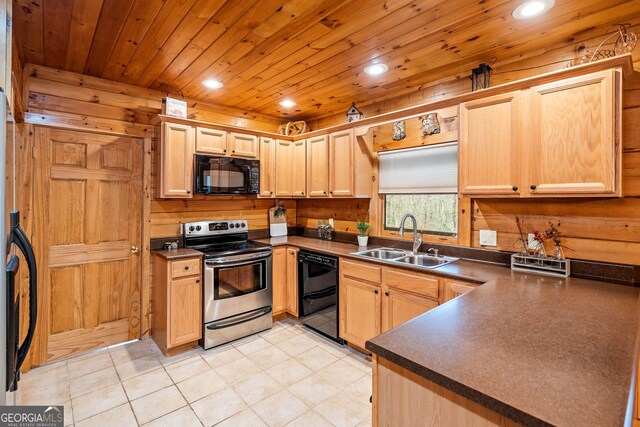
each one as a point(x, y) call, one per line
point(421, 284)
point(361, 271)
point(185, 267)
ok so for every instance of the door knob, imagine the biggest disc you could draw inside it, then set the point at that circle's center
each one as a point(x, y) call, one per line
point(135, 249)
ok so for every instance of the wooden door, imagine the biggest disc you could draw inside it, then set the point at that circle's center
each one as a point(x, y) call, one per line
point(292, 281)
point(575, 143)
point(279, 280)
point(284, 174)
point(299, 168)
point(176, 161)
point(242, 145)
point(489, 148)
point(87, 219)
point(318, 166)
point(185, 310)
point(267, 167)
point(341, 164)
point(359, 311)
point(453, 289)
point(211, 141)
point(399, 307)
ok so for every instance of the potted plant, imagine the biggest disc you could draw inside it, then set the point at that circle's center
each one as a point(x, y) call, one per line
point(363, 237)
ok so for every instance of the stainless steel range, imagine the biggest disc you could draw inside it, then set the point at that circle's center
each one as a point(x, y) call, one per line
point(237, 293)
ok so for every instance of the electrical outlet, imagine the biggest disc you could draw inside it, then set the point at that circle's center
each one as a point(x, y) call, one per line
point(331, 222)
point(488, 238)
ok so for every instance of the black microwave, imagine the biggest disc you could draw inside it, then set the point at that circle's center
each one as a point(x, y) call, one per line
point(226, 175)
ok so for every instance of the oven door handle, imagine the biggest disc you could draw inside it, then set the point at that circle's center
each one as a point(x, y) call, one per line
point(237, 320)
point(237, 258)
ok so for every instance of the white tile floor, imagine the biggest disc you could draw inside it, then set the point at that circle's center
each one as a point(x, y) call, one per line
point(287, 376)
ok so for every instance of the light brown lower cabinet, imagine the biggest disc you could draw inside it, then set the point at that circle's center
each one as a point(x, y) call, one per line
point(285, 280)
point(375, 298)
point(177, 302)
point(403, 398)
point(454, 288)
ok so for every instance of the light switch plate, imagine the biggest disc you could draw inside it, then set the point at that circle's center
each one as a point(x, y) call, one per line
point(488, 238)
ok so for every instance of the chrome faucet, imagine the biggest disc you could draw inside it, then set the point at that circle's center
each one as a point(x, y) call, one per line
point(417, 241)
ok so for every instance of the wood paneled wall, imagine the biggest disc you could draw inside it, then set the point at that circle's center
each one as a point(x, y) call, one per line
point(345, 213)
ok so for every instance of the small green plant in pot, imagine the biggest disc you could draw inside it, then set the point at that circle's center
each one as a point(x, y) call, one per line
point(363, 237)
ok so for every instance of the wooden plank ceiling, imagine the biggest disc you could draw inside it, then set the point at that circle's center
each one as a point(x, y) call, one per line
point(311, 51)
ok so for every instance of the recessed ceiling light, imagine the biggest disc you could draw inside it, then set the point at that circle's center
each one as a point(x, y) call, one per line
point(212, 84)
point(376, 69)
point(532, 8)
point(287, 103)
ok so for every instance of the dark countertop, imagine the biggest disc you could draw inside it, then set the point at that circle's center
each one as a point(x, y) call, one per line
point(537, 349)
point(178, 253)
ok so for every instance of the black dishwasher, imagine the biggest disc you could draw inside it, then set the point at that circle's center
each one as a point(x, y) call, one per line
point(318, 293)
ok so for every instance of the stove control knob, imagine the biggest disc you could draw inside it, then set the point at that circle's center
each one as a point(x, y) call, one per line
point(191, 228)
point(231, 225)
point(198, 228)
point(244, 225)
point(237, 225)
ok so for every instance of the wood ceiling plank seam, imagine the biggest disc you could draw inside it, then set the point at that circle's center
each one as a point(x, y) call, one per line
point(263, 59)
point(227, 41)
point(56, 32)
point(28, 17)
point(136, 25)
point(188, 28)
point(392, 40)
point(84, 19)
point(165, 22)
point(344, 81)
point(217, 25)
point(107, 31)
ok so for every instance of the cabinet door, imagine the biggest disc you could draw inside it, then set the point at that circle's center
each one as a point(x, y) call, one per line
point(185, 311)
point(177, 145)
point(211, 141)
point(299, 168)
point(279, 280)
point(341, 164)
point(453, 289)
point(292, 281)
point(489, 147)
point(284, 174)
point(318, 166)
point(399, 307)
point(575, 146)
point(267, 167)
point(242, 145)
point(359, 311)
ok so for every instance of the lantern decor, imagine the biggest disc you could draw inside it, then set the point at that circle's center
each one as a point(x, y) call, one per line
point(399, 131)
point(353, 114)
point(480, 77)
point(430, 124)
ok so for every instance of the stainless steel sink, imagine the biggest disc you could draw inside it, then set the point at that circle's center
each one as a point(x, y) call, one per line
point(426, 261)
point(383, 253)
point(404, 257)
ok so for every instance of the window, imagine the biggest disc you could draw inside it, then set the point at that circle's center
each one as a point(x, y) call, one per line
point(435, 213)
point(422, 181)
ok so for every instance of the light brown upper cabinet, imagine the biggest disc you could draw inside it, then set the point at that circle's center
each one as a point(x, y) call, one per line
point(243, 145)
point(176, 160)
point(267, 167)
point(284, 175)
point(299, 168)
point(341, 164)
point(211, 141)
point(575, 136)
point(318, 166)
point(559, 139)
point(490, 146)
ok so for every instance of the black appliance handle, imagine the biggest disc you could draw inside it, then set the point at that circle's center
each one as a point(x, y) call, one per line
point(319, 294)
point(252, 315)
point(247, 177)
point(19, 237)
